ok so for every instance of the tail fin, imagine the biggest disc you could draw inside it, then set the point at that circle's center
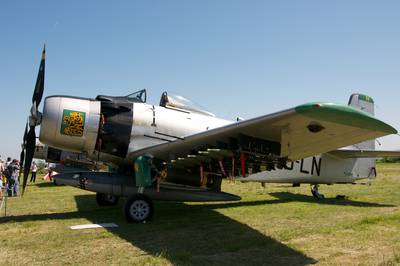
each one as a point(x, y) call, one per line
point(366, 104)
point(362, 102)
point(364, 167)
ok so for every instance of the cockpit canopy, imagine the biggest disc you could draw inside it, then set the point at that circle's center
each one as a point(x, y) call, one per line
point(168, 100)
point(139, 96)
point(174, 101)
point(136, 97)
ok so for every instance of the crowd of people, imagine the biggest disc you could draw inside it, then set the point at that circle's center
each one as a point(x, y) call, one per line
point(9, 176)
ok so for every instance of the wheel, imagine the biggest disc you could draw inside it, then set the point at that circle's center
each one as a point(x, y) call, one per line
point(106, 199)
point(315, 192)
point(139, 209)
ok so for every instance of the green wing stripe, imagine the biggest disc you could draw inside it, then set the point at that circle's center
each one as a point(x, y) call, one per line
point(343, 114)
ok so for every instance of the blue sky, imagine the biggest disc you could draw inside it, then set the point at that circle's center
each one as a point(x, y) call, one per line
point(236, 58)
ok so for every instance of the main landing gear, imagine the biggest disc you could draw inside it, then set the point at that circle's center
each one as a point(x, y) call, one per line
point(315, 193)
point(139, 209)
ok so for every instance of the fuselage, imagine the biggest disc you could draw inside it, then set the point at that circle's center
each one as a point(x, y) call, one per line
point(108, 129)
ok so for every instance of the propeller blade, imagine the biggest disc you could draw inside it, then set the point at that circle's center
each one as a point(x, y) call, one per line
point(22, 155)
point(39, 87)
point(25, 133)
point(30, 150)
point(29, 144)
point(21, 159)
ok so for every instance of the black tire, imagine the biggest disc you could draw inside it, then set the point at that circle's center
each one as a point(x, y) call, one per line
point(139, 209)
point(106, 199)
point(214, 182)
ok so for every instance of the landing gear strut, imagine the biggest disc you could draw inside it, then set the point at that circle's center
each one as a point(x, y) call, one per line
point(315, 193)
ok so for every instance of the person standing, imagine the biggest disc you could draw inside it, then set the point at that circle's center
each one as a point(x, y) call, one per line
point(33, 170)
point(2, 168)
point(13, 184)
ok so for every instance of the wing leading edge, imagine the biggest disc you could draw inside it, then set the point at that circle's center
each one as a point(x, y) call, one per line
point(300, 132)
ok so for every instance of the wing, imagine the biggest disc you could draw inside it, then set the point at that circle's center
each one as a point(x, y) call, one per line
point(295, 133)
point(344, 154)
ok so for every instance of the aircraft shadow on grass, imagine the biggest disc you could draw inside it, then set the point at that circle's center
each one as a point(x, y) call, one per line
point(44, 184)
point(282, 197)
point(188, 234)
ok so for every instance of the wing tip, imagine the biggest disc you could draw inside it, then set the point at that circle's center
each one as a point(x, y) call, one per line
point(344, 114)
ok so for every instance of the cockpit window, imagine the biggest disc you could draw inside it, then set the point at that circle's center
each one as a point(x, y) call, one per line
point(139, 96)
point(172, 100)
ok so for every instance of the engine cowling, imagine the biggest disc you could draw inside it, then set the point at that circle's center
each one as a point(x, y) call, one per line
point(70, 123)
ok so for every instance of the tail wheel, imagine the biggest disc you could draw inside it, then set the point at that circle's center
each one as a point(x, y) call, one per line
point(106, 199)
point(315, 192)
point(139, 209)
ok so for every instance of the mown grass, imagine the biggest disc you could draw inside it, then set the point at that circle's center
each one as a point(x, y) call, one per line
point(278, 225)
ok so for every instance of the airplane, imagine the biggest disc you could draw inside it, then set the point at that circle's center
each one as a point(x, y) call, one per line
point(51, 154)
point(65, 159)
point(178, 151)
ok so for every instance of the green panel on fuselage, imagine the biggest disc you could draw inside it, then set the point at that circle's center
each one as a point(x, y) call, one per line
point(143, 171)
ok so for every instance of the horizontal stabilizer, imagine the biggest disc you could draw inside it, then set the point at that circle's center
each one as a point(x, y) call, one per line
point(363, 153)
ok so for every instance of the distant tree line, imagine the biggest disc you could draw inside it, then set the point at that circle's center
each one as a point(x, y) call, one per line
point(389, 160)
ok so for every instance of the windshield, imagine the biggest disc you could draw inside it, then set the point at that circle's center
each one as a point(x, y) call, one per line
point(139, 96)
point(172, 100)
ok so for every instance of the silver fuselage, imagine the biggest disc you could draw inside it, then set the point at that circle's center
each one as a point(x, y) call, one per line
point(148, 125)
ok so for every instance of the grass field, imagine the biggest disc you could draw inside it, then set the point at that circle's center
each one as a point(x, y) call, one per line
point(278, 225)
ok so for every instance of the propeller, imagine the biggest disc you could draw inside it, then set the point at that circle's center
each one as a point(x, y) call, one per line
point(29, 141)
